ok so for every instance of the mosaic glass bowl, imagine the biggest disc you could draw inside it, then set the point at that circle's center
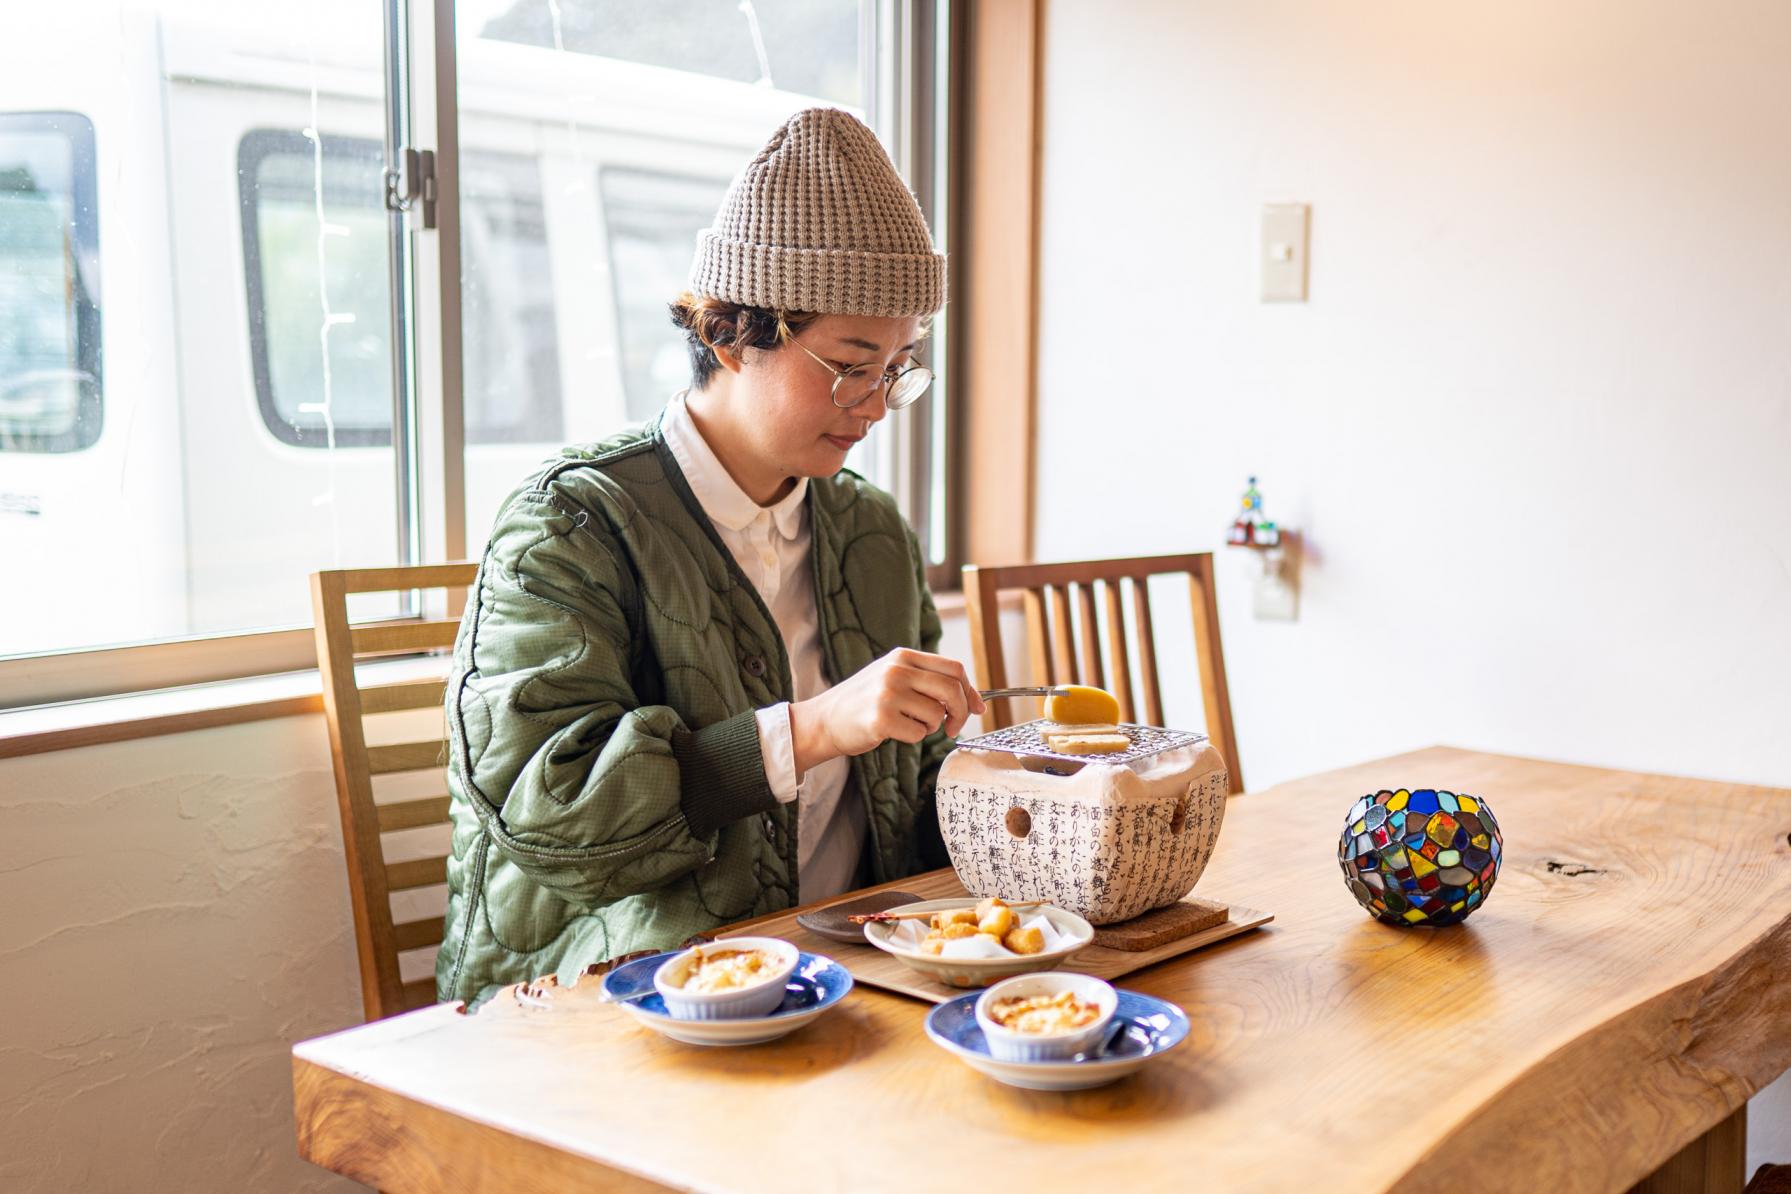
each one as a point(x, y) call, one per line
point(1422, 857)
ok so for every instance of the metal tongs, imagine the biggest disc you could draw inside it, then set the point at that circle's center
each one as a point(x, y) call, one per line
point(1048, 690)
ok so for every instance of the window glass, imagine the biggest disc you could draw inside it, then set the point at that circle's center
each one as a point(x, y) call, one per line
point(49, 284)
point(653, 220)
point(308, 396)
point(805, 46)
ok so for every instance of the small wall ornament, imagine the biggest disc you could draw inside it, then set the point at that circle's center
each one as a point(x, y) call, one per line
point(1253, 528)
point(1420, 857)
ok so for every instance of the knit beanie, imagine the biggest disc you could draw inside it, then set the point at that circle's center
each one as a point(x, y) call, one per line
point(821, 222)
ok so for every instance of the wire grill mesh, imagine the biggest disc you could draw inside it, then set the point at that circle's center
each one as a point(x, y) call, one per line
point(1024, 739)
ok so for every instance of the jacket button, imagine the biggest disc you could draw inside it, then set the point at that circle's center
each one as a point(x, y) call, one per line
point(754, 665)
point(770, 828)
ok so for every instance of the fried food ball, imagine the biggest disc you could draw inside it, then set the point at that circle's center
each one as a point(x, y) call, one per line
point(958, 916)
point(997, 922)
point(1025, 941)
point(953, 932)
point(987, 906)
point(932, 945)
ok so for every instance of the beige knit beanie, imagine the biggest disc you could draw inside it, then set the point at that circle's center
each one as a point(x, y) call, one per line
point(820, 221)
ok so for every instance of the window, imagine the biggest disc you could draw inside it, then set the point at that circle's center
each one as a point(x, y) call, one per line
point(273, 399)
point(653, 220)
point(345, 398)
point(49, 284)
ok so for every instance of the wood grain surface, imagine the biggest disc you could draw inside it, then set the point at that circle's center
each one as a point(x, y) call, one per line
point(869, 964)
point(1625, 988)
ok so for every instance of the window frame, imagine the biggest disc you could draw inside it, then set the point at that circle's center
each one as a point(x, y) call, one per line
point(77, 129)
point(422, 72)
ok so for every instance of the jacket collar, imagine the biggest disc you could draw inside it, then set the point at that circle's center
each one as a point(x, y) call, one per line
point(720, 496)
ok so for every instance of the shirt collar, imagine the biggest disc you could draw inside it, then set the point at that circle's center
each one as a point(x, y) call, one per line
point(721, 497)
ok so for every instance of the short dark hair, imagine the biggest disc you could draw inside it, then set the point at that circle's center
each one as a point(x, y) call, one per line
point(709, 323)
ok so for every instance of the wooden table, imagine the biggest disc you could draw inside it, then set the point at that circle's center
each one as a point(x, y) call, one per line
point(1625, 989)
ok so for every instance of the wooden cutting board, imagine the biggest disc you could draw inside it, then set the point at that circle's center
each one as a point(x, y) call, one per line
point(873, 967)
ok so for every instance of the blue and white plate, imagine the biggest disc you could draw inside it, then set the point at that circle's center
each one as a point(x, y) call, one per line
point(817, 984)
point(1152, 1027)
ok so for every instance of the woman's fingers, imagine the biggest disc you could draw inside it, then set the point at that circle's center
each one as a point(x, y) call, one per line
point(943, 666)
point(913, 715)
point(940, 688)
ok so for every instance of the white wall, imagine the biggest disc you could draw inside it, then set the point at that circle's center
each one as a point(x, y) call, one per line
point(176, 916)
point(1535, 418)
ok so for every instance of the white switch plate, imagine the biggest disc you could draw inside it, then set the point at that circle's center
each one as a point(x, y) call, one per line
point(1284, 251)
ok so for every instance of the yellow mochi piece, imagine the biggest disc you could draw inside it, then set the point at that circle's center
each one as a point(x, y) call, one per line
point(1079, 704)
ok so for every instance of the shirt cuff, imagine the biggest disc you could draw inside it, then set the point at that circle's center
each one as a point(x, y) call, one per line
point(778, 747)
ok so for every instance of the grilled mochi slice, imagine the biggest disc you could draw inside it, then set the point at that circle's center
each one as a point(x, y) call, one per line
point(1085, 739)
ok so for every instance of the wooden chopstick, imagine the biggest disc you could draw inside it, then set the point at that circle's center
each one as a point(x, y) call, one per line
point(867, 917)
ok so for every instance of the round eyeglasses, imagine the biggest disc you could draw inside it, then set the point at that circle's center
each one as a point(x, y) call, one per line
point(901, 388)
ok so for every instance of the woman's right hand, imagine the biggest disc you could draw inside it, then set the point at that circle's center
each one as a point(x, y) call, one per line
point(905, 695)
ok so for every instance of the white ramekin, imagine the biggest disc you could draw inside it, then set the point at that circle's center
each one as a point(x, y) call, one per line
point(1007, 1045)
point(760, 999)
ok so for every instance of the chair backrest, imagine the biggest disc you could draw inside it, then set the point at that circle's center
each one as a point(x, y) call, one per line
point(379, 937)
point(1058, 656)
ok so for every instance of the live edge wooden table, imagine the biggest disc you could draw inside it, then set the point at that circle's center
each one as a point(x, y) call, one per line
point(1603, 1018)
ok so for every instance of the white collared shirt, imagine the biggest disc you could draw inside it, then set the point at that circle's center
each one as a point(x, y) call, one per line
point(771, 545)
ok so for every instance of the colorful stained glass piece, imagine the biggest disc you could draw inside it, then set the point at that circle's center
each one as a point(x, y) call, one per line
point(1481, 840)
point(1398, 800)
point(1468, 804)
point(1422, 866)
point(1424, 802)
point(1448, 857)
point(1446, 801)
point(1441, 829)
point(1455, 876)
point(1375, 817)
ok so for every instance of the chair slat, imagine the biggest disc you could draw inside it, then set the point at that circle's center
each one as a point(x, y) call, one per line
point(420, 993)
point(431, 634)
point(1063, 636)
point(1147, 655)
point(418, 934)
point(413, 814)
point(393, 698)
point(419, 872)
point(403, 579)
point(405, 756)
point(1092, 672)
point(1116, 649)
point(1038, 639)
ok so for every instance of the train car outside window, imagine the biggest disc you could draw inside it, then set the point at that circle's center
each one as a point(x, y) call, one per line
point(50, 392)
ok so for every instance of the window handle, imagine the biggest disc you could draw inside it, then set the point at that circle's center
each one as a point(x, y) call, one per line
point(416, 180)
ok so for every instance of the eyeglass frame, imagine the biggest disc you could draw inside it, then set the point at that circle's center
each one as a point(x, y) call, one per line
point(889, 380)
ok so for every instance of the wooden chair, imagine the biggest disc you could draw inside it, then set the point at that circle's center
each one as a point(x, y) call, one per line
point(372, 880)
point(1058, 657)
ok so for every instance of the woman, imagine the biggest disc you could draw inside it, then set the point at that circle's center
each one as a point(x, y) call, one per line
point(696, 679)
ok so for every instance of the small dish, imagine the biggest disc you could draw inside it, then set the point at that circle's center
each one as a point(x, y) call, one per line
point(1151, 1027)
point(980, 972)
point(831, 922)
point(759, 999)
point(1006, 1044)
point(817, 985)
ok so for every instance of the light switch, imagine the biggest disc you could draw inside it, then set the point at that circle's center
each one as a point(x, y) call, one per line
point(1284, 249)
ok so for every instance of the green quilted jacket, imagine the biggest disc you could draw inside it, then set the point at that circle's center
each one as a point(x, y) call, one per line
point(608, 790)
